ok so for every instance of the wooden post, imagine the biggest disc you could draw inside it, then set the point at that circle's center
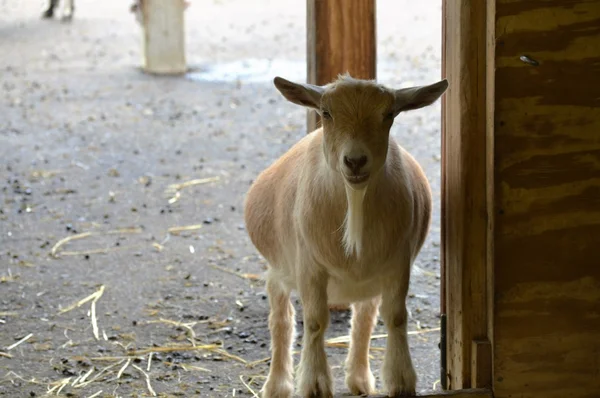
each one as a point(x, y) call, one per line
point(466, 207)
point(164, 38)
point(341, 37)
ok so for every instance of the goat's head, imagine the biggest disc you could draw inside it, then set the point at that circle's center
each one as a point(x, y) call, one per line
point(357, 116)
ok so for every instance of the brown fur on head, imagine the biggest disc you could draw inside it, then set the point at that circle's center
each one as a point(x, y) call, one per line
point(357, 116)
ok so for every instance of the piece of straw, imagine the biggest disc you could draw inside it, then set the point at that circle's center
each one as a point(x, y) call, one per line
point(18, 343)
point(120, 372)
point(81, 302)
point(208, 347)
point(187, 326)
point(57, 245)
point(252, 277)
point(248, 387)
point(179, 229)
point(174, 189)
point(149, 361)
point(150, 389)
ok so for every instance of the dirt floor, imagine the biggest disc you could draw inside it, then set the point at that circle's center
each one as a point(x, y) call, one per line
point(93, 150)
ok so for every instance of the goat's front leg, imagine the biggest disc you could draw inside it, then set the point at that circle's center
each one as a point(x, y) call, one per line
point(399, 376)
point(314, 379)
point(280, 382)
point(68, 10)
point(359, 378)
point(49, 12)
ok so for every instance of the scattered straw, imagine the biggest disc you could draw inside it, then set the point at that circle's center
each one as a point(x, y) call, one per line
point(84, 377)
point(96, 394)
point(8, 313)
point(102, 250)
point(59, 385)
point(54, 251)
point(5, 355)
point(120, 372)
point(149, 361)
point(188, 368)
point(18, 343)
point(173, 189)
point(231, 356)
point(248, 387)
point(267, 359)
point(197, 181)
point(93, 313)
point(81, 302)
point(337, 341)
point(175, 198)
point(252, 277)
point(94, 298)
point(188, 326)
point(99, 374)
point(207, 347)
point(150, 389)
point(178, 230)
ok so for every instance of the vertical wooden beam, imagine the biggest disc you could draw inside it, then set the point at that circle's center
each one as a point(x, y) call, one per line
point(481, 364)
point(443, 309)
point(465, 185)
point(164, 38)
point(341, 37)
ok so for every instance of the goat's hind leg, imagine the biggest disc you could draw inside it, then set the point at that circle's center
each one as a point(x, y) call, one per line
point(280, 383)
point(68, 10)
point(49, 12)
point(359, 378)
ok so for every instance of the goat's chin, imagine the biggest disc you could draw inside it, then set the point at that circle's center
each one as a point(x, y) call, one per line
point(356, 185)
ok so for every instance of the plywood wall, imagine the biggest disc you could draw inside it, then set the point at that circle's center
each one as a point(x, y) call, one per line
point(546, 126)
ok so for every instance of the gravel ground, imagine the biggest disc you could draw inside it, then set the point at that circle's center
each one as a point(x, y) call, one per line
point(89, 144)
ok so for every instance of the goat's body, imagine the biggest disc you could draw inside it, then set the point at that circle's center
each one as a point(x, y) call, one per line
point(340, 218)
point(297, 206)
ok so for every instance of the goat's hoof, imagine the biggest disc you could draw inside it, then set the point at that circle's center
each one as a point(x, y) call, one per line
point(277, 389)
point(360, 382)
point(48, 14)
point(402, 383)
point(319, 387)
point(67, 16)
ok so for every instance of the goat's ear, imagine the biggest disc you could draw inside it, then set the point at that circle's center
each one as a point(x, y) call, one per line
point(302, 94)
point(407, 99)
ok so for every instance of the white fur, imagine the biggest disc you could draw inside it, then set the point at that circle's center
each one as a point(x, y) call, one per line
point(353, 223)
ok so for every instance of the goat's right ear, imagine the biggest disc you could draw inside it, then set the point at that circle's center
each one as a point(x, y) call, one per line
point(302, 94)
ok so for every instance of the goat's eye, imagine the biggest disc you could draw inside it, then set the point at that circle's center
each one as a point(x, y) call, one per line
point(388, 116)
point(326, 115)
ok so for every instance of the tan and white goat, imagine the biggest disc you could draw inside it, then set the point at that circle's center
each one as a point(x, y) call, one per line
point(340, 218)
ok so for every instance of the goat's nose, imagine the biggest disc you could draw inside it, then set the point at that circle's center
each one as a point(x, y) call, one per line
point(355, 164)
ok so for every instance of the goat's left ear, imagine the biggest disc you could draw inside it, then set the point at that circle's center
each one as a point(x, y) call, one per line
point(407, 99)
point(302, 94)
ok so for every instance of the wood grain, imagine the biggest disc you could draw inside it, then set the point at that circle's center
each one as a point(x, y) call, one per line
point(547, 199)
point(341, 37)
point(470, 393)
point(465, 163)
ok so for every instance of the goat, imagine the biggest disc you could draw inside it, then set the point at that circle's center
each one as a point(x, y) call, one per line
point(68, 9)
point(340, 218)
